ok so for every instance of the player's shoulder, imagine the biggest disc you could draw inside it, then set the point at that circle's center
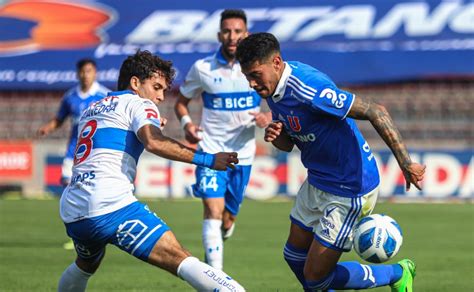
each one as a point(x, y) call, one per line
point(205, 63)
point(71, 92)
point(306, 75)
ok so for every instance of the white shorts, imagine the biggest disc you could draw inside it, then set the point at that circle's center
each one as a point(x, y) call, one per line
point(66, 170)
point(330, 217)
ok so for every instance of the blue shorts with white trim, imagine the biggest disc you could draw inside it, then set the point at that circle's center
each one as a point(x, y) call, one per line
point(134, 229)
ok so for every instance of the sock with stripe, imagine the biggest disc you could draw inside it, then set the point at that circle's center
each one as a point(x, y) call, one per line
point(353, 275)
point(295, 258)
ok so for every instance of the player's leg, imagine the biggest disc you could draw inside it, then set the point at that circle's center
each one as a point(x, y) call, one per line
point(296, 250)
point(238, 179)
point(168, 254)
point(89, 257)
point(301, 233)
point(211, 186)
point(333, 235)
point(141, 233)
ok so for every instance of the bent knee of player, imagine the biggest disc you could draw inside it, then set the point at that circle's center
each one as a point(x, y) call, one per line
point(89, 266)
point(168, 253)
point(315, 272)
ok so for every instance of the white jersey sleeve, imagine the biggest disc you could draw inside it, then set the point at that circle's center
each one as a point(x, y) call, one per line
point(192, 86)
point(143, 112)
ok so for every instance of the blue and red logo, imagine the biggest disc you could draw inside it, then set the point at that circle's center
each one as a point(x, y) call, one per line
point(56, 25)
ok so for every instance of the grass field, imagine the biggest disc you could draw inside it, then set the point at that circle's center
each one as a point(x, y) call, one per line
point(439, 237)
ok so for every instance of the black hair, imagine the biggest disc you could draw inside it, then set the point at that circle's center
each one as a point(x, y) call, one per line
point(233, 13)
point(142, 65)
point(82, 62)
point(257, 47)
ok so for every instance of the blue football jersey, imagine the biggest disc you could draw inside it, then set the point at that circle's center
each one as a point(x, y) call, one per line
point(74, 102)
point(313, 111)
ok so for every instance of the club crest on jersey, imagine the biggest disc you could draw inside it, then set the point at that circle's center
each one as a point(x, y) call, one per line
point(294, 123)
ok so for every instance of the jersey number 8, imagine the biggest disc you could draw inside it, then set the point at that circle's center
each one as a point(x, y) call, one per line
point(84, 144)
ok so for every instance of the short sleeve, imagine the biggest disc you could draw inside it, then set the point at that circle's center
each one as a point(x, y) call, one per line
point(144, 112)
point(333, 101)
point(64, 110)
point(192, 84)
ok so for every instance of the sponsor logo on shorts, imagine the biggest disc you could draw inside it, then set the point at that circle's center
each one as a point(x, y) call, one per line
point(325, 233)
point(327, 223)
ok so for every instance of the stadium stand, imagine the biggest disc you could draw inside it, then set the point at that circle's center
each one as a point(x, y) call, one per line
point(428, 113)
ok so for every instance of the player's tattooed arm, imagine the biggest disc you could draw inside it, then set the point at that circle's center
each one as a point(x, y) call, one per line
point(366, 109)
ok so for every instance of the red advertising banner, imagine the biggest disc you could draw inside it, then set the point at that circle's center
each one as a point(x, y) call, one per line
point(16, 159)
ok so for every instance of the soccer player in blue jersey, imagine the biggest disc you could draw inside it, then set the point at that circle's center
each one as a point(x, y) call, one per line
point(231, 112)
point(99, 208)
point(309, 111)
point(72, 105)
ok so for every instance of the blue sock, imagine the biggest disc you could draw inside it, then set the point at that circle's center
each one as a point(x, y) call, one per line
point(353, 275)
point(296, 257)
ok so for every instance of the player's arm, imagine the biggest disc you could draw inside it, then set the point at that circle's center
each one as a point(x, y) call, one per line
point(155, 142)
point(276, 134)
point(365, 109)
point(182, 112)
point(49, 127)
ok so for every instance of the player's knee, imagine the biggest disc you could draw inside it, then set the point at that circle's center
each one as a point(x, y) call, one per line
point(212, 211)
point(89, 266)
point(315, 272)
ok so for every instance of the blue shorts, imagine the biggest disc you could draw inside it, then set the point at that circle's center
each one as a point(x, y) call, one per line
point(134, 229)
point(230, 185)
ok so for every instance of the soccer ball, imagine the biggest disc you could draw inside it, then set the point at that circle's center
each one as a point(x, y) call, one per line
point(377, 238)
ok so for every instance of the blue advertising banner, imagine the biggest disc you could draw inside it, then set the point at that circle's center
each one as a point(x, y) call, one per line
point(353, 42)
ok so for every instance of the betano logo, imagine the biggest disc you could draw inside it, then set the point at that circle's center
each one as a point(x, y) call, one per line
point(59, 25)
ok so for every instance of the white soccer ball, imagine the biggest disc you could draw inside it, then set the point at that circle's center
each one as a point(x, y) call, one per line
point(377, 238)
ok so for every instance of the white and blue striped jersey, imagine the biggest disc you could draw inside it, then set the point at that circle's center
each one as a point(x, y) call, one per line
point(313, 111)
point(74, 102)
point(106, 155)
point(228, 100)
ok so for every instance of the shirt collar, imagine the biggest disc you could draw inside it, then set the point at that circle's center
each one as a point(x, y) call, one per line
point(281, 87)
point(93, 90)
point(220, 57)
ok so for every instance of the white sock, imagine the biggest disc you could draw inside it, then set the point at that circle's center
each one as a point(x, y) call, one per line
point(203, 277)
point(213, 243)
point(73, 279)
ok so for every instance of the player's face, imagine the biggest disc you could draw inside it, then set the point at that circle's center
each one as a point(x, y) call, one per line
point(152, 88)
point(86, 75)
point(264, 77)
point(232, 31)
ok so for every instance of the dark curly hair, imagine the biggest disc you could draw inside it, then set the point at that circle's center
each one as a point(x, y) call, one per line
point(142, 65)
point(233, 13)
point(257, 47)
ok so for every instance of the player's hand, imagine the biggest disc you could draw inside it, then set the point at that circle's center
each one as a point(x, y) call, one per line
point(272, 131)
point(261, 119)
point(43, 131)
point(224, 160)
point(191, 133)
point(414, 174)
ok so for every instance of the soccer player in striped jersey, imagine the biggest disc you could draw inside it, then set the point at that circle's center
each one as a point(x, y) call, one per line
point(309, 111)
point(230, 114)
point(98, 206)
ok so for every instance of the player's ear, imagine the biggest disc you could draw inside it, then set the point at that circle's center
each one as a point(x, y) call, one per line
point(277, 62)
point(134, 83)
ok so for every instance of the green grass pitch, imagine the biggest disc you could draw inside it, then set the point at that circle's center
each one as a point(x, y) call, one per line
point(439, 237)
